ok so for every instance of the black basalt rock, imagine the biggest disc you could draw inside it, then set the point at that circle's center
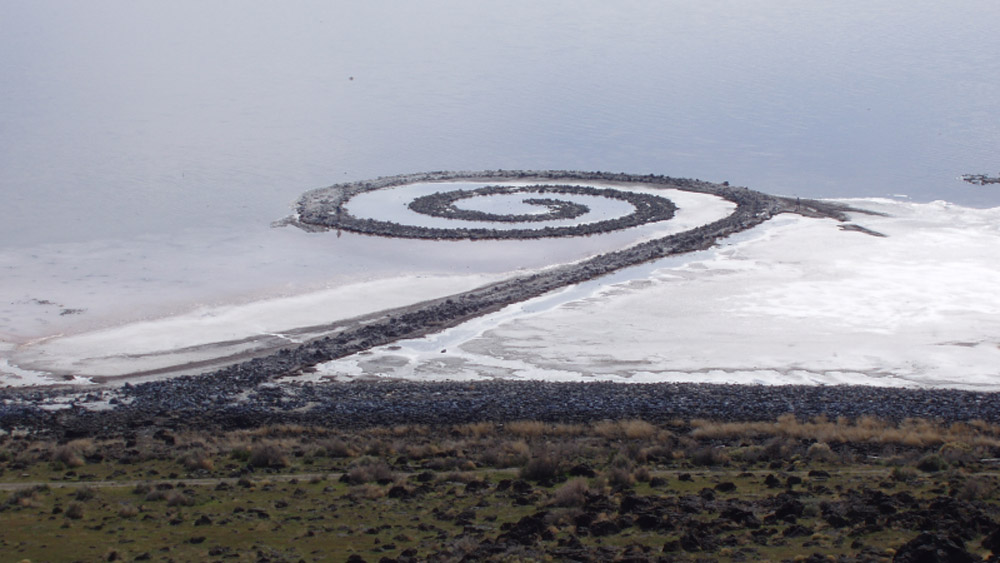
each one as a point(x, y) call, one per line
point(931, 547)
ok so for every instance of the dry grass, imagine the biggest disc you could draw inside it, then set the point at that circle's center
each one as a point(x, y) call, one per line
point(625, 429)
point(562, 430)
point(536, 429)
point(526, 428)
point(422, 451)
point(400, 431)
point(285, 430)
point(366, 492)
point(910, 432)
point(475, 429)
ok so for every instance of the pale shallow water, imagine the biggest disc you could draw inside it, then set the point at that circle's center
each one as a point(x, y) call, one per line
point(86, 321)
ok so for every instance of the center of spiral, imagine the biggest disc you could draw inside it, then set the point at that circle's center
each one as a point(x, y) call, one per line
point(444, 204)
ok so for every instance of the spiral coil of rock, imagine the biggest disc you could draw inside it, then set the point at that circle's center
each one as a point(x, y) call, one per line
point(327, 207)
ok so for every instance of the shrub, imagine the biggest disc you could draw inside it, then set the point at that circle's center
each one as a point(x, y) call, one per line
point(620, 477)
point(422, 451)
point(367, 470)
point(903, 473)
point(748, 454)
point(573, 493)
point(659, 453)
point(709, 456)
point(506, 454)
point(175, 498)
point(820, 451)
point(540, 468)
point(74, 511)
point(199, 460)
point(956, 452)
point(267, 454)
point(23, 497)
point(338, 448)
point(69, 455)
point(931, 463)
point(127, 511)
point(777, 449)
point(977, 488)
point(642, 474)
point(633, 451)
point(380, 448)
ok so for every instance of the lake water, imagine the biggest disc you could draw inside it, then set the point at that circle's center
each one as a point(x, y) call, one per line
point(145, 148)
point(120, 119)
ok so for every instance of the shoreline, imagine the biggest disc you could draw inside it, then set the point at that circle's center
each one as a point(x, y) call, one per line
point(245, 394)
point(214, 402)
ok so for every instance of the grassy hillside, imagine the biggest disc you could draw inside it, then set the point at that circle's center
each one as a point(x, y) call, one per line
point(615, 490)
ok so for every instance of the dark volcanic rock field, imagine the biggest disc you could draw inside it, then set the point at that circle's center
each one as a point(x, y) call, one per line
point(211, 401)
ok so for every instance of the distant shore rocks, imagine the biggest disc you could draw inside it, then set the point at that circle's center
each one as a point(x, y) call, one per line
point(981, 179)
point(211, 402)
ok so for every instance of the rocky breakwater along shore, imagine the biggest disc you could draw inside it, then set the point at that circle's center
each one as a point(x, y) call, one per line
point(243, 394)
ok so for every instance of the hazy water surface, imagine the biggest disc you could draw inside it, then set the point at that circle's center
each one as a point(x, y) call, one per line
point(120, 118)
point(145, 147)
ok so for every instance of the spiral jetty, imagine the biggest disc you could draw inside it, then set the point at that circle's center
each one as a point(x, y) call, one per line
point(243, 394)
